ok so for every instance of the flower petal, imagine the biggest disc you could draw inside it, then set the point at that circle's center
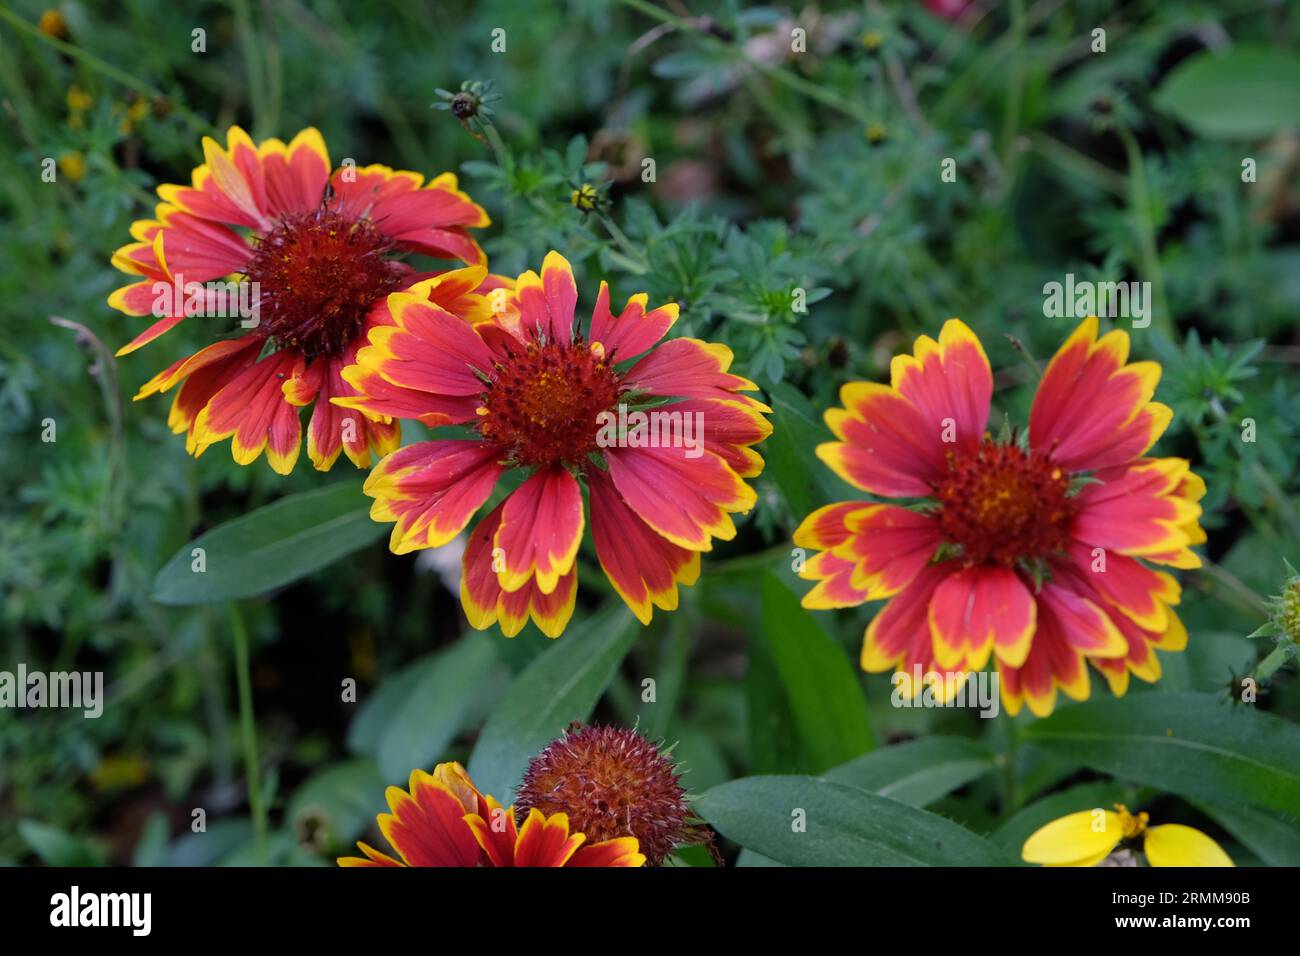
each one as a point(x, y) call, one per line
point(541, 528)
point(496, 832)
point(728, 429)
point(428, 349)
point(899, 637)
point(887, 446)
point(889, 547)
point(691, 368)
point(948, 381)
point(550, 612)
point(1052, 662)
point(1129, 586)
point(1074, 840)
point(643, 566)
point(547, 303)
point(546, 841)
point(335, 428)
point(686, 500)
point(634, 330)
point(1082, 434)
point(295, 175)
point(1136, 510)
point(251, 409)
point(198, 250)
point(431, 490)
point(978, 609)
point(427, 825)
point(1172, 844)
point(621, 851)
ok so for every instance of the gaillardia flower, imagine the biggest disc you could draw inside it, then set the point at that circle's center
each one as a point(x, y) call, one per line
point(1034, 549)
point(309, 258)
point(661, 443)
point(612, 782)
point(1087, 838)
point(444, 821)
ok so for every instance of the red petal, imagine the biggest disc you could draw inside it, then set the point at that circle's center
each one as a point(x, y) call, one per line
point(541, 528)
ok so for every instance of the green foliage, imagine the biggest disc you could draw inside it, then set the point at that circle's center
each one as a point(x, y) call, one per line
point(269, 547)
point(808, 821)
point(557, 688)
point(1193, 744)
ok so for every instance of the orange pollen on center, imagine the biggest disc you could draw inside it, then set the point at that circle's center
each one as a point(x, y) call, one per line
point(1131, 825)
point(317, 275)
point(541, 405)
point(1002, 505)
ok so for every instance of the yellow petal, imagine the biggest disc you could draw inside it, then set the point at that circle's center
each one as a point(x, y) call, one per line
point(1172, 844)
point(1080, 839)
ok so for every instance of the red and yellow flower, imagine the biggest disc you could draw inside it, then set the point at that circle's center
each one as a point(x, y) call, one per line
point(1088, 837)
point(318, 248)
point(1036, 551)
point(443, 820)
point(537, 395)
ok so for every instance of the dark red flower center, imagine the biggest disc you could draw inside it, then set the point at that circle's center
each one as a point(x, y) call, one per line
point(1002, 504)
point(542, 404)
point(317, 274)
point(612, 782)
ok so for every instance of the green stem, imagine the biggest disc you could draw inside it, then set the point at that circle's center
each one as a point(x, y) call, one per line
point(1008, 767)
point(248, 731)
point(1140, 201)
point(638, 262)
point(1272, 663)
point(1235, 589)
point(1075, 163)
point(782, 75)
point(253, 64)
point(1015, 87)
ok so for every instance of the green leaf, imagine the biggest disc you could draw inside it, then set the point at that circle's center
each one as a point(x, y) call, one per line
point(804, 481)
point(376, 715)
point(1197, 745)
point(433, 706)
point(270, 547)
point(562, 685)
point(821, 685)
point(56, 847)
point(773, 737)
point(221, 838)
point(917, 772)
point(335, 805)
point(1272, 837)
point(1247, 92)
point(845, 826)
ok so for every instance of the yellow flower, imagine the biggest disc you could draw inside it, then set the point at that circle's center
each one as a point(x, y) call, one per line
point(78, 99)
point(1086, 838)
point(872, 40)
point(876, 134)
point(133, 114)
point(586, 197)
point(52, 24)
point(73, 165)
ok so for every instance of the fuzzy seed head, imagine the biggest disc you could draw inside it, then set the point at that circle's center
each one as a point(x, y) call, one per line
point(612, 782)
